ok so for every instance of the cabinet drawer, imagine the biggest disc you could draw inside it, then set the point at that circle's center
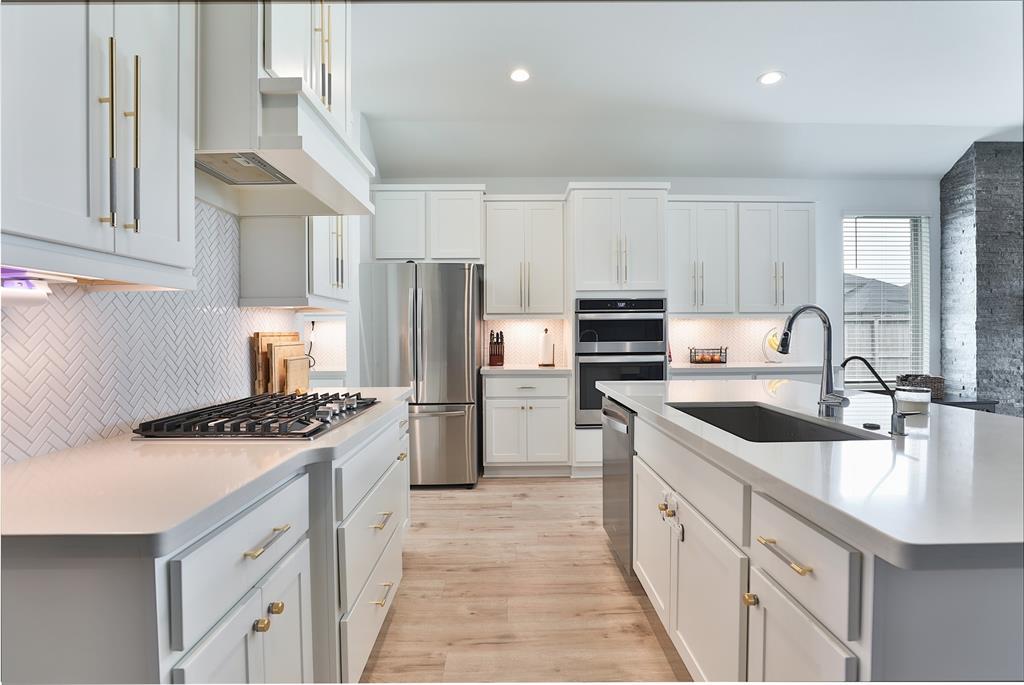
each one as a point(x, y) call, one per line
point(211, 575)
point(818, 569)
point(354, 476)
point(718, 496)
point(366, 532)
point(526, 386)
point(360, 627)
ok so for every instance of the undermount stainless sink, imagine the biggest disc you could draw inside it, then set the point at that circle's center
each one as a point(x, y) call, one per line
point(759, 424)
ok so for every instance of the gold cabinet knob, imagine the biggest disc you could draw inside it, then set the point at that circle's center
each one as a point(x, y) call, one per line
point(261, 625)
point(275, 608)
point(662, 506)
point(402, 456)
point(750, 599)
point(670, 513)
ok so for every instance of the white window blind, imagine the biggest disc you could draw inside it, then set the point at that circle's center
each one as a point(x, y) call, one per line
point(885, 294)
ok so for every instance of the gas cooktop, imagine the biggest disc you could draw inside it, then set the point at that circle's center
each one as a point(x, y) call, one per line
point(270, 416)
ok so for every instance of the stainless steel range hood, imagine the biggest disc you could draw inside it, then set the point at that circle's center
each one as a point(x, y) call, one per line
point(267, 138)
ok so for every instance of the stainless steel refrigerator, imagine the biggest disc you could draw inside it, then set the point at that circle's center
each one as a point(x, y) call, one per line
point(420, 327)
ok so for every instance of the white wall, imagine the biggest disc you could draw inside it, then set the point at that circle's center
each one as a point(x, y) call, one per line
point(834, 198)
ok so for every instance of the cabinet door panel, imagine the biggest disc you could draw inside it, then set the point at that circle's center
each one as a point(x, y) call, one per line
point(505, 431)
point(288, 645)
point(152, 197)
point(288, 41)
point(597, 240)
point(320, 260)
point(56, 166)
point(545, 283)
point(652, 538)
point(709, 624)
point(796, 256)
point(400, 225)
point(681, 256)
point(339, 85)
point(455, 230)
point(787, 643)
point(643, 239)
point(716, 254)
point(758, 228)
point(232, 652)
point(547, 430)
point(506, 240)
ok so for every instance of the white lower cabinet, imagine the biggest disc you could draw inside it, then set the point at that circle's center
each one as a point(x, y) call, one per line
point(267, 638)
point(526, 421)
point(709, 575)
point(652, 537)
point(787, 643)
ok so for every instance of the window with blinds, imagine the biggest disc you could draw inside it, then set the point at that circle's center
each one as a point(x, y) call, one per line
point(885, 294)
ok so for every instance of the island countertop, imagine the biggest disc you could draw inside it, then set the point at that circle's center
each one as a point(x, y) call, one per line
point(147, 497)
point(949, 493)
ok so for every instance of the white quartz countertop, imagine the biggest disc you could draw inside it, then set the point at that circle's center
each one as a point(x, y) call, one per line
point(150, 496)
point(526, 370)
point(950, 493)
point(744, 367)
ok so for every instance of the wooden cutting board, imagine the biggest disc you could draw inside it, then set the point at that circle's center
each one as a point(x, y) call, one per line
point(296, 376)
point(279, 353)
point(261, 358)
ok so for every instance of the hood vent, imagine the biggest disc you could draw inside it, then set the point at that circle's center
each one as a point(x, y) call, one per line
point(240, 169)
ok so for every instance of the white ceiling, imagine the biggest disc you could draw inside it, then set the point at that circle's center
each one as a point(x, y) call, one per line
point(668, 88)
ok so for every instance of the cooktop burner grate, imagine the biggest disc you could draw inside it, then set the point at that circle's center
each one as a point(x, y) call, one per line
point(273, 415)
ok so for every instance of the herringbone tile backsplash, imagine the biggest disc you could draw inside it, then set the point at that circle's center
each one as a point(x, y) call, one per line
point(90, 365)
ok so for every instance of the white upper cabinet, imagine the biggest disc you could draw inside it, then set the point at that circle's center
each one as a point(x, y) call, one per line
point(102, 157)
point(701, 249)
point(619, 238)
point(455, 225)
point(525, 265)
point(294, 262)
point(400, 225)
point(443, 223)
point(776, 256)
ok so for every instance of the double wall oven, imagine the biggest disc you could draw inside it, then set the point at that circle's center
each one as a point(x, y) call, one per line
point(617, 340)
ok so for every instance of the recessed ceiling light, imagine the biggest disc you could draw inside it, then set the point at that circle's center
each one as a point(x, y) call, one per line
point(770, 78)
point(519, 75)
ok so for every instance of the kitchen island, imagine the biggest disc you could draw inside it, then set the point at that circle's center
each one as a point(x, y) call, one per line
point(158, 560)
point(879, 558)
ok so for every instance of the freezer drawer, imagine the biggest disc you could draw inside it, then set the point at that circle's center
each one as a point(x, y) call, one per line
point(443, 444)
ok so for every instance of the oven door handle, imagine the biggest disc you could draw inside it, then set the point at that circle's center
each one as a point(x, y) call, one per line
point(635, 316)
point(627, 358)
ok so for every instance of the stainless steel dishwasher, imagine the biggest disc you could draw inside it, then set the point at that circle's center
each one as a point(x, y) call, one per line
point(617, 480)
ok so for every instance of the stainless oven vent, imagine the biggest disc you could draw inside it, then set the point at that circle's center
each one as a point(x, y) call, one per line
point(240, 169)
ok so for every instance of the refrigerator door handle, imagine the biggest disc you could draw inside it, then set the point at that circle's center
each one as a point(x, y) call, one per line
point(419, 340)
point(413, 344)
point(432, 414)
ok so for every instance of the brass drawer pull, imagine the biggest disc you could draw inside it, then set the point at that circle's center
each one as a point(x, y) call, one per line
point(662, 506)
point(750, 599)
point(402, 456)
point(384, 522)
point(112, 143)
point(134, 115)
point(261, 625)
point(772, 545)
point(275, 608)
point(387, 593)
point(278, 531)
point(670, 513)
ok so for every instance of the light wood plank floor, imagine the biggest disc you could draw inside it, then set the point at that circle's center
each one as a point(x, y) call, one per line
point(514, 581)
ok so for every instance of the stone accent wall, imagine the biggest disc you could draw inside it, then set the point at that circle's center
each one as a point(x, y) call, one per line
point(983, 274)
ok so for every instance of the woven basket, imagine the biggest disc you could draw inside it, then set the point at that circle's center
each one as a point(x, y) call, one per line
point(937, 384)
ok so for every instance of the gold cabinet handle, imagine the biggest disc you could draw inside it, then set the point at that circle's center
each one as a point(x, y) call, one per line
point(112, 143)
point(261, 625)
point(275, 535)
point(384, 521)
point(330, 60)
point(275, 608)
point(134, 114)
point(750, 599)
point(670, 513)
point(773, 546)
point(662, 506)
point(402, 456)
point(387, 593)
